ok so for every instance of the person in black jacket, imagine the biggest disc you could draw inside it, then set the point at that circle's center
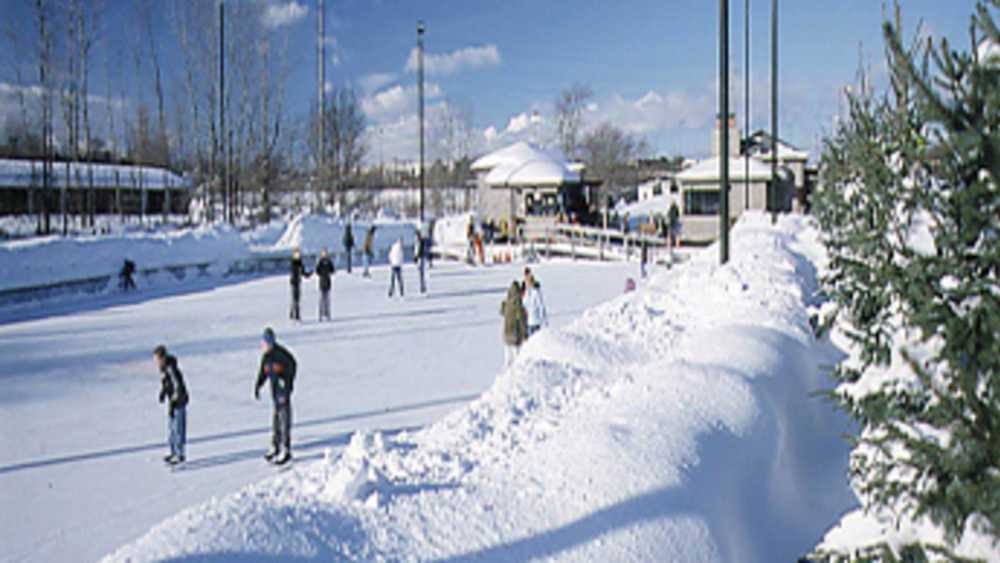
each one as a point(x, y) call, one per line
point(348, 245)
point(298, 272)
point(125, 275)
point(174, 392)
point(277, 366)
point(324, 269)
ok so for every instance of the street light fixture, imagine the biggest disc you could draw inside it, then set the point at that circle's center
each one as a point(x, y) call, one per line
point(420, 89)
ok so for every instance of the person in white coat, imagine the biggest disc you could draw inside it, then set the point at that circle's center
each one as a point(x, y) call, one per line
point(534, 304)
point(396, 263)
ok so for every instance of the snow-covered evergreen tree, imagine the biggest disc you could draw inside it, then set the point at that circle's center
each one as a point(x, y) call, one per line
point(910, 208)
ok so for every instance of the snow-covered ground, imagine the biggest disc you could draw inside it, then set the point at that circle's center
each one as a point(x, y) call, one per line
point(674, 423)
point(82, 436)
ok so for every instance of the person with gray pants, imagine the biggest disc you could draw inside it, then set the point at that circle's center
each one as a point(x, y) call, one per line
point(277, 366)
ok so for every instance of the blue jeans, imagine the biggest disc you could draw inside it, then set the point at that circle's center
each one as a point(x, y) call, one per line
point(368, 261)
point(177, 426)
point(397, 274)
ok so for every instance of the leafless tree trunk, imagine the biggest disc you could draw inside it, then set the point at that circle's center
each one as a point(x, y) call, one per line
point(570, 105)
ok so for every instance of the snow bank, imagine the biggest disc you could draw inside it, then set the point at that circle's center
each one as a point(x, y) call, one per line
point(311, 233)
point(673, 423)
point(46, 260)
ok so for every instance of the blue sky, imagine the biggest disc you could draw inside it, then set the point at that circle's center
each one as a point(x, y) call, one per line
point(652, 65)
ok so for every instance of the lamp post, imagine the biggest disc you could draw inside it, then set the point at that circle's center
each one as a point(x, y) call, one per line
point(723, 131)
point(774, 110)
point(746, 105)
point(420, 90)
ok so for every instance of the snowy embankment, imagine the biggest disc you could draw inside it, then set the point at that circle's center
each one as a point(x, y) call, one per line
point(51, 260)
point(670, 424)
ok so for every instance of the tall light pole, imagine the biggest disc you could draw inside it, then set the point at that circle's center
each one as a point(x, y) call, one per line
point(774, 110)
point(321, 92)
point(222, 112)
point(420, 90)
point(723, 131)
point(746, 105)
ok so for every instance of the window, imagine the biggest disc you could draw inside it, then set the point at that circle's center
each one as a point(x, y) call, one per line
point(701, 202)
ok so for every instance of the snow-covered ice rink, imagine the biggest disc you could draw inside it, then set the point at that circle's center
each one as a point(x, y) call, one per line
point(82, 435)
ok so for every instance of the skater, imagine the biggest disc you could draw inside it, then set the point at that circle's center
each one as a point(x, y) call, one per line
point(368, 250)
point(470, 235)
point(396, 262)
point(643, 256)
point(430, 245)
point(297, 273)
point(419, 258)
point(173, 390)
point(277, 366)
point(673, 226)
point(514, 323)
point(348, 245)
point(125, 275)
point(534, 305)
point(324, 269)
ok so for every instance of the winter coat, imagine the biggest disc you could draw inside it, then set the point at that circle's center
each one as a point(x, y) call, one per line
point(515, 326)
point(277, 366)
point(396, 254)
point(348, 238)
point(324, 269)
point(172, 388)
point(298, 272)
point(369, 246)
point(534, 307)
point(419, 246)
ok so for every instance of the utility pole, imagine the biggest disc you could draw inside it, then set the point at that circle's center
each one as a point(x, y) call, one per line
point(420, 90)
point(746, 105)
point(226, 211)
point(723, 131)
point(774, 111)
point(321, 70)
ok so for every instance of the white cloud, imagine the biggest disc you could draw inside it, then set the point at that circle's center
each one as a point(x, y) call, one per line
point(280, 15)
point(459, 59)
point(372, 82)
point(523, 121)
point(490, 134)
point(392, 102)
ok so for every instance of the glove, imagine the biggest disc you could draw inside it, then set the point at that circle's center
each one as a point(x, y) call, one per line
point(256, 393)
point(171, 410)
point(162, 396)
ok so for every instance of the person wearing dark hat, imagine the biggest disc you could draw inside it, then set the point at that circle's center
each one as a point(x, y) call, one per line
point(324, 271)
point(295, 278)
point(277, 367)
point(174, 392)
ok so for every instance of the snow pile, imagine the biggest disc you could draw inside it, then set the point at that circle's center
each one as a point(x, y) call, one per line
point(311, 233)
point(673, 423)
point(452, 232)
point(46, 260)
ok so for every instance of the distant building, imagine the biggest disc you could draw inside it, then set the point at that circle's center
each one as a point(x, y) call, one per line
point(117, 188)
point(751, 185)
point(521, 182)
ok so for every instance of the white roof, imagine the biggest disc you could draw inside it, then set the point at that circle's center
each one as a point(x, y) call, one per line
point(708, 170)
point(513, 154)
point(538, 172)
point(785, 152)
point(19, 173)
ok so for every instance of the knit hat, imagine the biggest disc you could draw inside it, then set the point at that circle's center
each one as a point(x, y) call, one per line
point(269, 336)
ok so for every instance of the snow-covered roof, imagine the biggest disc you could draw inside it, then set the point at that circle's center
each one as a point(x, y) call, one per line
point(708, 170)
point(539, 172)
point(513, 154)
point(785, 152)
point(18, 173)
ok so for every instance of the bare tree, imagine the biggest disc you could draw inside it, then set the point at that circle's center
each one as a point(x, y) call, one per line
point(344, 146)
point(569, 107)
point(610, 154)
point(43, 19)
